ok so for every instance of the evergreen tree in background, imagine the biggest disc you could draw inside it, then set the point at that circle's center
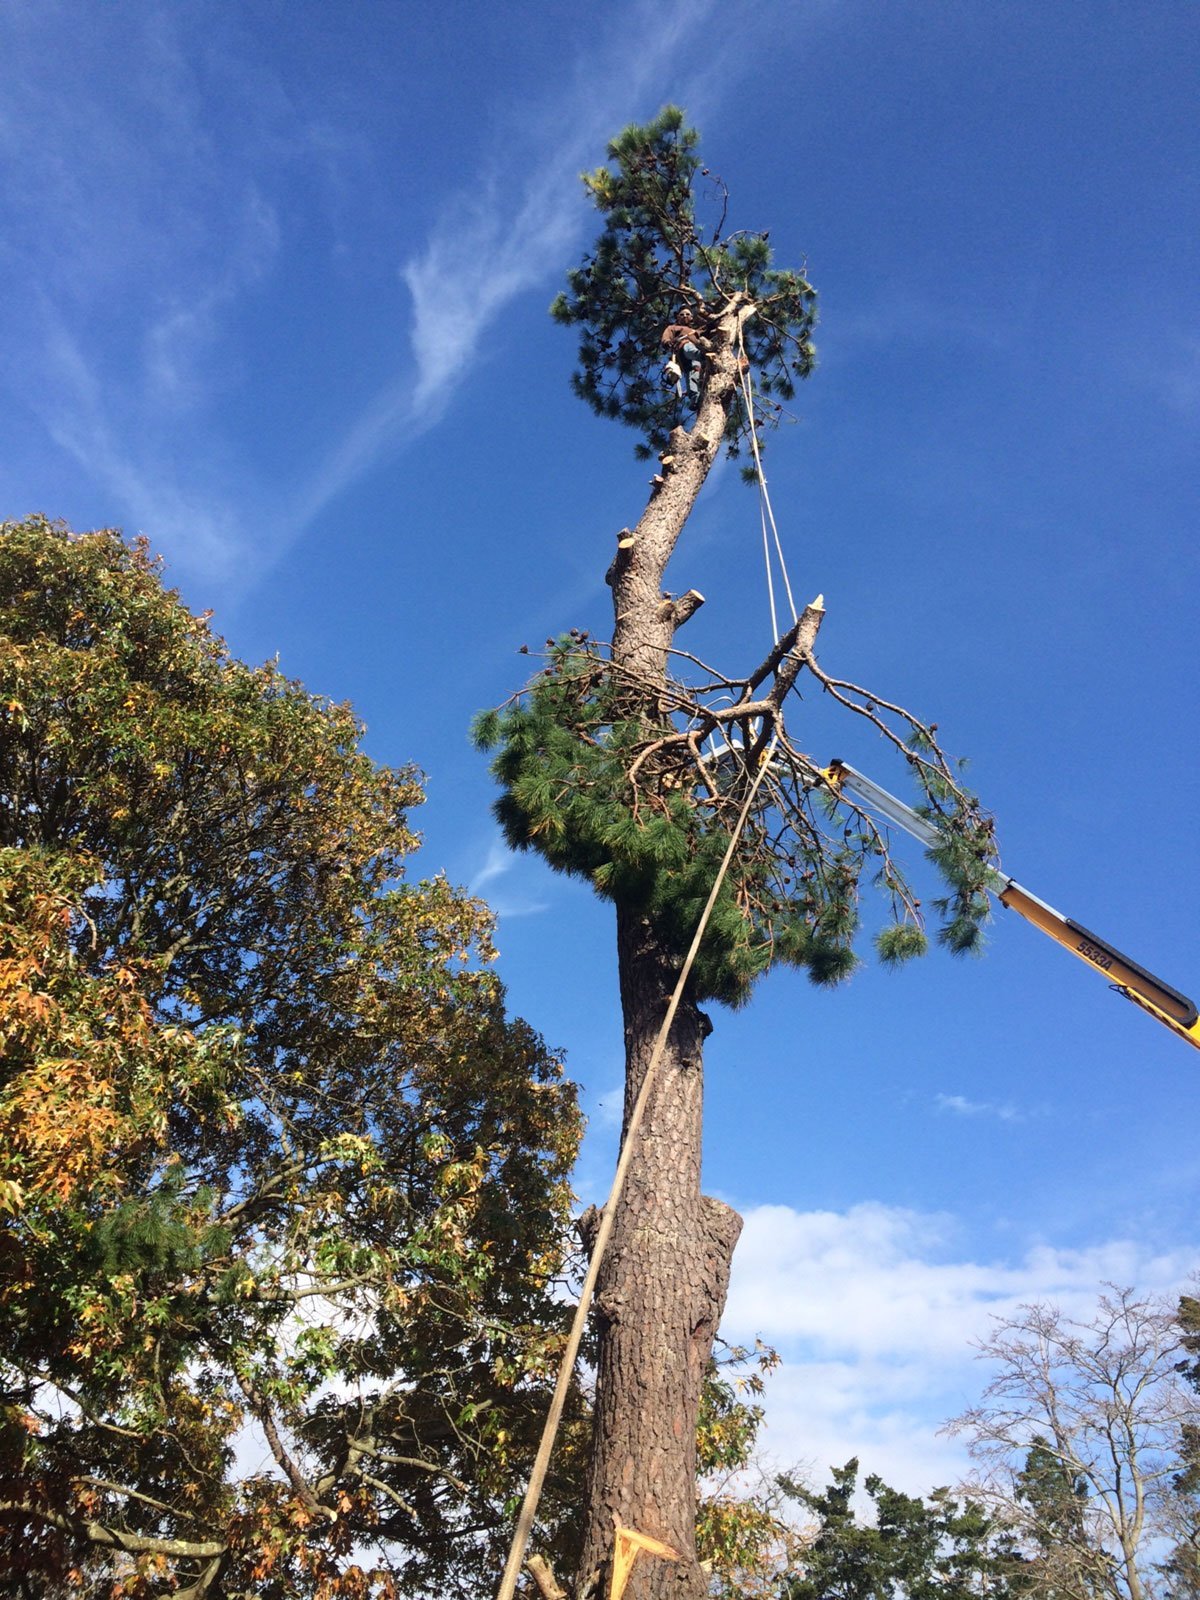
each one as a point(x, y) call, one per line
point(901, 1548)
point(1077, 1441)
point(1183, 1566)
point(1053, 1499)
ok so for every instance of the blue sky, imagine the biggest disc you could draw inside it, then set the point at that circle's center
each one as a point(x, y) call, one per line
point(273, 283)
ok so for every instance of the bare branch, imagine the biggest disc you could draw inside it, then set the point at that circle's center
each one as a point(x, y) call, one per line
point(286, 1464)
point(203, 1585)
point(1078, 1436)
point(800, 652)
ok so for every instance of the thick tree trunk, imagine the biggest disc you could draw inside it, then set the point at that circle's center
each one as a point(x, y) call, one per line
point(662, 1286)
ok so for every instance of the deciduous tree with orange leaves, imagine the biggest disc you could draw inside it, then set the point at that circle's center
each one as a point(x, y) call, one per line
point(282, 1187)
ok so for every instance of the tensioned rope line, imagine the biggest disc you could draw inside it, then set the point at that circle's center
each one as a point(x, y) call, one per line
point(762, 517)
point(765, 510)
point(533, 1493)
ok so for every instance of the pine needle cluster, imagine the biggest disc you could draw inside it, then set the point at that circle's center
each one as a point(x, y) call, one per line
point(656, 258)
point(963, 858)
point(637, 807)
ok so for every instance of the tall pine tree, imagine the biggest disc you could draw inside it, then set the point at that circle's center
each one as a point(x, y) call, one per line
point(604, 772)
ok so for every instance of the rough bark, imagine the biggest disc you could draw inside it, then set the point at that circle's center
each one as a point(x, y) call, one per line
point(663, 1283)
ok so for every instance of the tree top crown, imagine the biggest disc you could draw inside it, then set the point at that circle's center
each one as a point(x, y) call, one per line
point(659, 262)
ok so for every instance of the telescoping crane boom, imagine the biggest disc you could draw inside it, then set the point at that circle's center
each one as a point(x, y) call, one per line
point(1166, 1005)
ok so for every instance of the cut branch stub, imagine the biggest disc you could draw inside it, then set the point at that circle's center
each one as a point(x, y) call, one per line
point(684, 607)
point(805, 631)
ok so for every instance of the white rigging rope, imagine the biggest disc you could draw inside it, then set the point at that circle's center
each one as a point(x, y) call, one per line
point(766, 513)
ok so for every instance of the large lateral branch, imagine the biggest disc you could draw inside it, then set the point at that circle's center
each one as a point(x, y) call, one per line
point(790, 651)
point(114, 1538)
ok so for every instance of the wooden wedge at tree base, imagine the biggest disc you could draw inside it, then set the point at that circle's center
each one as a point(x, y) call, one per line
point(629, 1544)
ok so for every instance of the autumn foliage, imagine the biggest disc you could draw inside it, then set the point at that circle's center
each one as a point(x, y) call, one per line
point(282, 1188)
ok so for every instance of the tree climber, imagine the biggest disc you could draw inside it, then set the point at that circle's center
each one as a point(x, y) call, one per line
point(684, 347)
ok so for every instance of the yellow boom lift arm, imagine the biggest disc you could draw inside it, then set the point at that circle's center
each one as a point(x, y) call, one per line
point(1166, 1005)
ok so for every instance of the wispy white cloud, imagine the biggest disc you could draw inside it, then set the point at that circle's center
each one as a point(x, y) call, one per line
point(514, 899)
point(511, 225)
point(207, 533)
point(123, 305)
point(482, 254)
point(168, 215)
point(180, 341)
point(960, 1106)
point(509, 230)
point(378, 430)
point(876, 1314)
point(905, 318)
point(134, 435)
point(1175, 375)
point(499, 861)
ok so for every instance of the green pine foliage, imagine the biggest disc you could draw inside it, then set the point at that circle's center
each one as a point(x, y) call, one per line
point(964, 859)
point(655, 258)
point(1183, 1566)
point(563, 752)
point(586, 780)
point(155, 1235)
point(1055, 1496)
point(936, 1548)
point(900, 942)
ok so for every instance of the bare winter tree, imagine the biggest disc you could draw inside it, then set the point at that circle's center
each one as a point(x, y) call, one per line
point(1078, 1443)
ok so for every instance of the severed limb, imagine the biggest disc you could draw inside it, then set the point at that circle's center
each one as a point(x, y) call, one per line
point(549, 1588)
